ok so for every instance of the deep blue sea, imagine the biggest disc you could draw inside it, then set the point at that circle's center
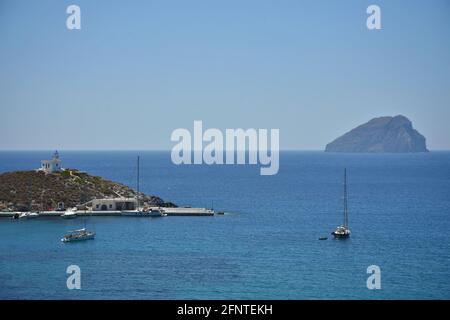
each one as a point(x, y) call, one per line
point(265, 247)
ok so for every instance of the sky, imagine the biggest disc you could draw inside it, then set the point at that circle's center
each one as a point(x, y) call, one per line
point(138, 70)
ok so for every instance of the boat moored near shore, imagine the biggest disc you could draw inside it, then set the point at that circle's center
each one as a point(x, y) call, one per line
point(29, 215)
point(144, 213)
point(70, 214)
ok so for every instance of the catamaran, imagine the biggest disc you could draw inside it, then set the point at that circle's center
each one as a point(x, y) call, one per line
point(78, 235)
point(343, 231)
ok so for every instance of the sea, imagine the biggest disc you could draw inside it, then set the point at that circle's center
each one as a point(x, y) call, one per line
point(265, 246)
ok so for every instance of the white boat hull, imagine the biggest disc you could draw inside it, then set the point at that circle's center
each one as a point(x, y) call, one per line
point(151, 214)
point(341, 232)
point(87, 237)
point(157, 214)
point(69, 216)
point(28, 215)
point(135, 213)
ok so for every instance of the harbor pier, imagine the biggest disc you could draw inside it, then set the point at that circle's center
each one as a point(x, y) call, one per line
point(176, 212)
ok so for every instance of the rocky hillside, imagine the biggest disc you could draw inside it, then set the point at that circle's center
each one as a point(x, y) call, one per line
point(384, 134)
point(70, 186)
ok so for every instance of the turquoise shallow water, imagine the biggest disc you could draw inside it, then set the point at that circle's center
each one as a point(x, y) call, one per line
point(266, 247)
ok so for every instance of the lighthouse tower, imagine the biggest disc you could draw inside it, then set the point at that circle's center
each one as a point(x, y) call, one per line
point(50, 166)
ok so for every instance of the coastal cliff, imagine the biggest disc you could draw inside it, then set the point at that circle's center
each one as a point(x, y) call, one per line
point(21, 189)
point(383, 134)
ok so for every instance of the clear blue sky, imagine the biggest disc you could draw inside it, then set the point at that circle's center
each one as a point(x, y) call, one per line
point(137, 70)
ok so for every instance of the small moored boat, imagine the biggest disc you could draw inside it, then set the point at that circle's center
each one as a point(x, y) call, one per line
point(135, 213)
point(70, 214)
point(28, 215)
point(151, 213)
point(155, 213)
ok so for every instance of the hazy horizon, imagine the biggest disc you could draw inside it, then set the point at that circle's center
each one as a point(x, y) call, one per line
point(169, 150)
point(138, 70)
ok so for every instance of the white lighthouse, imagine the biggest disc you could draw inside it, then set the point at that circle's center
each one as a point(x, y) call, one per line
point(50, 166)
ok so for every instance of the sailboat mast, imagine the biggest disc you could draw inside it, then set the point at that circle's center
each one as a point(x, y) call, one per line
point(137, 187)
point(345, 199)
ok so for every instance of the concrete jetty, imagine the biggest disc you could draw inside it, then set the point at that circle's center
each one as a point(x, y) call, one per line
point(180, 211)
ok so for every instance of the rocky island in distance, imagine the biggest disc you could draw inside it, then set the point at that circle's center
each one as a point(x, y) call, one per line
point(381, 135)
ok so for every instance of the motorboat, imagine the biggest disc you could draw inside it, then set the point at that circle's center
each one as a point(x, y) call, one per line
point(70, 213)
point(156, 213)
point(28, 215)
point(78, 235)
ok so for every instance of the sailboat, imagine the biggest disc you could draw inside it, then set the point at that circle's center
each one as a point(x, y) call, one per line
point(343, 231)
point(140, 211)
point(79, 234)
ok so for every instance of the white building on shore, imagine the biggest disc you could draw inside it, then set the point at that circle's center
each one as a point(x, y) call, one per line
point(114, 204)
point(51, 166)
